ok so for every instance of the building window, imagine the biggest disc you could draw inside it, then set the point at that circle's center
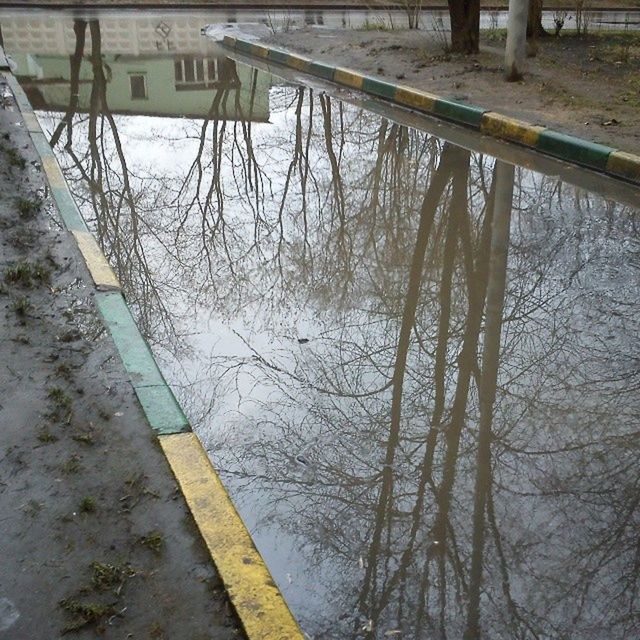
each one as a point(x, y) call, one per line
point(138, 85)
point(195, 73)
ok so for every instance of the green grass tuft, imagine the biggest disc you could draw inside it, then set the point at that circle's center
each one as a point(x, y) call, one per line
point(29, 207)
point(88, 505)
point(84, 613)
point(26, 274)
point(154, 540)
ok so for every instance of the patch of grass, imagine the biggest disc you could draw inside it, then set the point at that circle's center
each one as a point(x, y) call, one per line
point(370, 25)
point(84, 438)
point(24, 239)
point(29, 207)
point(110, 576)
point(495, 35)
point(88, 505)
point(62, 404)
point(21, 306)
point(154, 540)
point(63, 371)
point(26, 274)
point(59, 396)
point(71, 465)
point(19, 274)
point(46, 437)
point(84, 613)
point(15, 158)
point(615, 36)
point(41, 273)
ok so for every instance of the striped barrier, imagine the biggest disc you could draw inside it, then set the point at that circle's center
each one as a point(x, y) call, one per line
point(598, 157)
point(260, 607)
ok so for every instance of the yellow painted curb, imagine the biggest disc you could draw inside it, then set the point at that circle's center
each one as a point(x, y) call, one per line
point(298, 62)
point(414, 98)
point(31, 122)
point(102, 274)
point(348, 78)
point(624, 164)
point(259, 50)
point(257, 600)
point(52, 169)
point(510, 129)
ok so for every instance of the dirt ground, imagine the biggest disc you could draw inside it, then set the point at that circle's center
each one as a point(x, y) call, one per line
point(588, 86)
point(94, 536)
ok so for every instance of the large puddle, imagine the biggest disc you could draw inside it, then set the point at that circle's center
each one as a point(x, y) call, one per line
point(415, 366)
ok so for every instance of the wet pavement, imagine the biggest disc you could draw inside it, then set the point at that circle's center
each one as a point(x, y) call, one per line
point(415, 365)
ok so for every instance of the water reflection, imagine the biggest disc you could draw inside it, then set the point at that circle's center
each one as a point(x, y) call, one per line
point(416, 366)
point(83, 69)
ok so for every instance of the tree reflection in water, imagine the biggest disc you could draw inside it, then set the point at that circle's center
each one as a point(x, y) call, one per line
point(428, 438)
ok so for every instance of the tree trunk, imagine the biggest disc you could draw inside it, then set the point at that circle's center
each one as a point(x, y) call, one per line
point(465, 25)
point(516, 39)
point(534, 23)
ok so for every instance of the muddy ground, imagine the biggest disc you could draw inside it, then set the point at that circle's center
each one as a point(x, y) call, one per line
point(94, 536)
point(588, 85)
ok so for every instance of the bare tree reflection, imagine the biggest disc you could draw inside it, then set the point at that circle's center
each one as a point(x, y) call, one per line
point(75, 63)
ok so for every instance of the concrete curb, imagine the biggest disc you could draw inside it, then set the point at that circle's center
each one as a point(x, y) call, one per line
point(257, 600)
point(607, 160)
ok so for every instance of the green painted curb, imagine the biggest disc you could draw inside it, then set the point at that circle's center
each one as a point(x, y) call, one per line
point(244, 46)
point(321, 70)
point(160, 406)
point(574, 149)
point(68, 209)
point(459, 112)
point(41, 144)
point(379, 88)
point(276, 55)
point(132, 347)
point(162, 410)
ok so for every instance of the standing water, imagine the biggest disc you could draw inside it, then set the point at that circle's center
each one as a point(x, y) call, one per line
point(414, 365)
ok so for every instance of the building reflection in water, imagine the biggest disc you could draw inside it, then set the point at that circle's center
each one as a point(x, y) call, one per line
point(151, 66)
point(416, 366)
